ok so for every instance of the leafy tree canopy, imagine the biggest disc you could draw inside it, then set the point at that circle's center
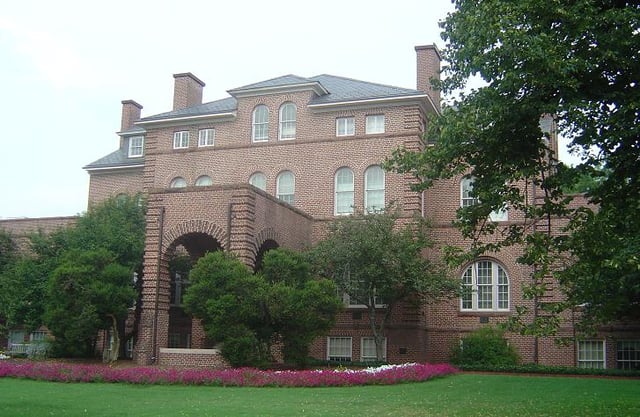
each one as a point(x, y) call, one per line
point(577, 61)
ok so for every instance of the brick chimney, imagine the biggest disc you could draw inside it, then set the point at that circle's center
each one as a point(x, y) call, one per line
point(187, 91)
point(428, 63)
point(130, 113)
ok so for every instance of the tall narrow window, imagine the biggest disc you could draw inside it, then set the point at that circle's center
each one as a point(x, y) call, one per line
point(181, 139)
point(486, 287)
point(287, 121)
point(374, 189)
point(374, 124)
point(136, 146)
point(344, 191)
point(286, 186)
point(206, 137)
point(259, 180)
point(345, 126)
point(260, 125)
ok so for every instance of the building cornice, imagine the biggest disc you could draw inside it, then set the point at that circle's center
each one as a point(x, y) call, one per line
point(316, 87)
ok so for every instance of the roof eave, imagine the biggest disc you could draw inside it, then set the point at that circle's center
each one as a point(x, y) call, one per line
point(181, 120)
point(89, 168)
point(420, 99)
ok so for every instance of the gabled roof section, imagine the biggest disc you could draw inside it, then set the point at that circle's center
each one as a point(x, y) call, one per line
point(115, 160)
point(284, 84)
point(225, 106)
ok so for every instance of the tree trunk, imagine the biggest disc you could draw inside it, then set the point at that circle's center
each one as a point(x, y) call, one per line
point(115, 348)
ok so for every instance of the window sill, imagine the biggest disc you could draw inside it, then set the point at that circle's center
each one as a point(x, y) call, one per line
point(480, 313)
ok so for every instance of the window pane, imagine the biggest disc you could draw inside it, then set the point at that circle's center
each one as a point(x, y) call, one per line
point(339, 349)
point(628, 354)
point(466, 192)
point(178, 182)
point(204, 180)
point(374, 189)
point(181, 140)
point(206, 137)
point(260, 131)
point(375, 124)
point(486, 286)
point(345, 126)
point(368, 349)
point(136, 146)
point(259, 180)
point(288, 121)
point(344, 191)
point(286, 187)
point(591, 354)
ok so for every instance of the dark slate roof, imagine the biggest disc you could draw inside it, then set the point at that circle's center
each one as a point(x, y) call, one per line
point(282, 81)
point(133, 130)
point(343, 89)
point(214, 107)
point(115, 159)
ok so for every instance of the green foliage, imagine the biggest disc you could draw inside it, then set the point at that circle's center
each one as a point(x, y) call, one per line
point(576, 62)
point(8, 250)
point(485, 347)
point(247, 312)
point(532, 368)
point(84, 291)
point(376, 260)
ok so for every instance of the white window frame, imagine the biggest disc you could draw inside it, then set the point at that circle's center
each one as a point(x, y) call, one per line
point(628, 354)
point(592, 353)
point(206, 137)
point(345, 126)
point(370, 188)
point(258, 180)
point(499, 292)
point(178, 182)
point(181, 139)
point(371, 341)
point(260, 124)
point(339, 353)
point(203, 181)
point(136, 146)
point(343, 192)
point(288, 119)
point(374, 124)
point(467, 200)
point(286, 194)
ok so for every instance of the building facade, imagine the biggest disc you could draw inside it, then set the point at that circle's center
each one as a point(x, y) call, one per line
point(273, 163)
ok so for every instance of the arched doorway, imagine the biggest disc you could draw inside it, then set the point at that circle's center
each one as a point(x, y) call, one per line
point(183, 254)
point(266, 246)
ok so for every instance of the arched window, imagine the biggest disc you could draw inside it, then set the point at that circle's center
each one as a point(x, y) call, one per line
point(259, 180)
point(287, 121)
point(204, 180)
point(486, 286)
point(374, 189)
point(286, 186)
point(260, 124)
point(178, 182)
point(467, 199)
point(344, 191)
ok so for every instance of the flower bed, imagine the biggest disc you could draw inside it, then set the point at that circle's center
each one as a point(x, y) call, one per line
point(241, 377)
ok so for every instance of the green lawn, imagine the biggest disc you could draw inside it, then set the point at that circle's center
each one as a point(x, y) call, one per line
point(458, 395)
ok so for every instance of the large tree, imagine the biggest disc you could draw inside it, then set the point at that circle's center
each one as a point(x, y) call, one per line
point(579, 62)
point(379, 263)
point(247, 312)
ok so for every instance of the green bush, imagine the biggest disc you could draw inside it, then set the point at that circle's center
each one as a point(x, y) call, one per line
point(485, 347)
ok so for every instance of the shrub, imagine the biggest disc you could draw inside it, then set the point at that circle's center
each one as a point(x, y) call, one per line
point(485, 347)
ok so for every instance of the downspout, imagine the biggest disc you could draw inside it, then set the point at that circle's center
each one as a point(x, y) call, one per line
point(229, 218)
point(154, 342)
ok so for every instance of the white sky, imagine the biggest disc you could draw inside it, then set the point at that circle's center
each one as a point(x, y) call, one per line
point(66, 65)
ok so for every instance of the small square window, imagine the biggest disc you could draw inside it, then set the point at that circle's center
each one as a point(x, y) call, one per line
point(136, 146)
point(345, 126)
point(181, 140)
point(628, 354)
point(374, 124)
point(206, 137)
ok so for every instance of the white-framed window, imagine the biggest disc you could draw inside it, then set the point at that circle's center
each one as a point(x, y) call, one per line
point(181, 139)
point(486, 286)
point(260, 124)
point(286, 187)
point(343, 191)
point(628, 354)
point(178, 182)
point(339, 349)
point(206, 137)
point(467, 199)
point(374, 189)
point(368, 349)
point(38, 336)
point(591, 354)
point(345, 126)
point(287, 121)
point(258, 180)
point(136, 146)
point(374, 124)
point(204, 180)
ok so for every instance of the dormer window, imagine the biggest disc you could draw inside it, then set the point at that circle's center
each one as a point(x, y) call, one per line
point(136, 146)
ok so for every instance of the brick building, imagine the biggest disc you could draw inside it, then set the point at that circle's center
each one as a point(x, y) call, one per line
point(268, 167)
